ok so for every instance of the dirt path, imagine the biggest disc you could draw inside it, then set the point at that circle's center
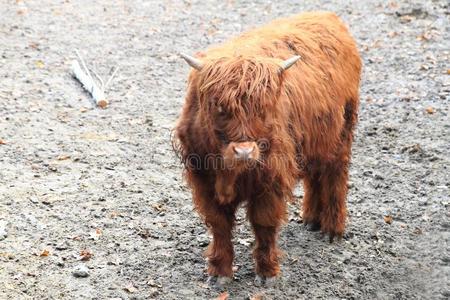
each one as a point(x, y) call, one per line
point(74, 178)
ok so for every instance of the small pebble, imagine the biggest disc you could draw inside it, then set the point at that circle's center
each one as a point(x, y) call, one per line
point(62, 246)
point(3, 232)
point(80, 271)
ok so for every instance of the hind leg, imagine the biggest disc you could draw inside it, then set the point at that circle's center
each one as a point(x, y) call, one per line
point(311, 201)
point(334, 179)
point(333, 199)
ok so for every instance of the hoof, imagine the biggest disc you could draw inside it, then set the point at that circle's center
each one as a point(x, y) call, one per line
point(223, 281)
point(218, 281)
point(313, 226)
point(271, 281)
point(259, 281)
point(266, 281)
point(211, 280)
point(332, 236)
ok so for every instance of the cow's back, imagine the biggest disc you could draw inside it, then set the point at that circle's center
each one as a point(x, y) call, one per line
point(320, 85)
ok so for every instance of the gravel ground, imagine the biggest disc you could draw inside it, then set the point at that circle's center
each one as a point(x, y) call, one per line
point(92, 203)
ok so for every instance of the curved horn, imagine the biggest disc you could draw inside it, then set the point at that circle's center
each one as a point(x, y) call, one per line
point(289, 62)
point(192, 61)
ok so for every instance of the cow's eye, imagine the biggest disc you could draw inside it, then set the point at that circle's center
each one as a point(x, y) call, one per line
point(221, 112)
point(222, 136)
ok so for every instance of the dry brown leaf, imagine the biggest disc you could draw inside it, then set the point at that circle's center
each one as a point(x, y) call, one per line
point(376, 44)
point(95, 235)
point(22, 7)
point(76, 238)
point(388, 219)
point(211, 31)
point(430, 110)
point(45, 252)
point(216, 21)
point(153, 283)
point(223, 296)
point(7, 255)
point(2, 142)
point(144, 233)
point(63, 157)
point(448, 71)
point(85, 255)
point(130, 288)
point(392, 34)
point(417, 231)
point(426, 36)
point(158, 206)
point(392, 5)
point(83, 109)
point(34, 45)
point(406, 19)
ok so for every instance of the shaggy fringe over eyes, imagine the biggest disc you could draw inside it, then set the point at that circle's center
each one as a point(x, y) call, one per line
point(245, 87)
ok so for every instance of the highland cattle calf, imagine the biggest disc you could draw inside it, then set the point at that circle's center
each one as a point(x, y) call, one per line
point(264, 110)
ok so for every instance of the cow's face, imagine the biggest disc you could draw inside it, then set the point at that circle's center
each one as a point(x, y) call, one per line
point(241, 129)
point(238, 137)
point(239, 103)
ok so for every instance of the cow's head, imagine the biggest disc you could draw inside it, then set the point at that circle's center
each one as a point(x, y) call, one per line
point(238, 102)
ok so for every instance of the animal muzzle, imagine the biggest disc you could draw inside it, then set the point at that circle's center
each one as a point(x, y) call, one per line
point(243, 151)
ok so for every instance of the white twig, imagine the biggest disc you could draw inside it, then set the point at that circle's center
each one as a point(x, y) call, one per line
point(83, 64)
point(85, 77)
point(111, 77)
point(89, 84)
point(102, 85)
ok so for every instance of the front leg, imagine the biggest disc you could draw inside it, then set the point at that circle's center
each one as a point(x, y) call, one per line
point(220, 221)
point(266, 213)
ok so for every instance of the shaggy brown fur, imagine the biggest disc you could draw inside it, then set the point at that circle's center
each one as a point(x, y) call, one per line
point(301, 120)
